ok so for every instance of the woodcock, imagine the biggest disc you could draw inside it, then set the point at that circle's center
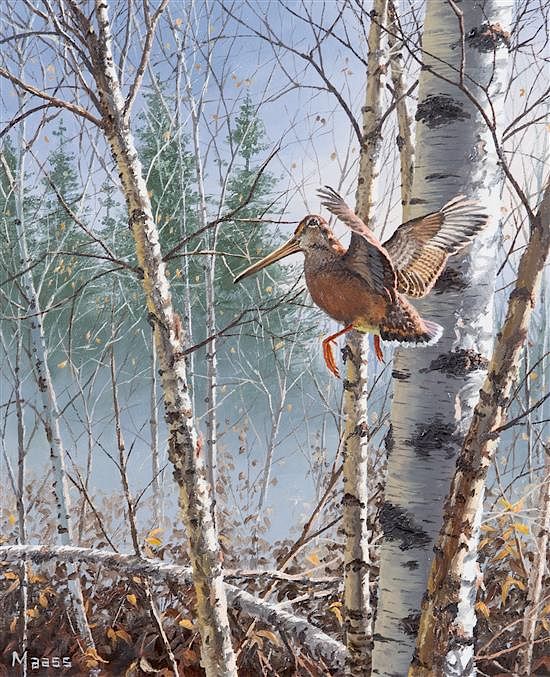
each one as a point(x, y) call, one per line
point(364, 287)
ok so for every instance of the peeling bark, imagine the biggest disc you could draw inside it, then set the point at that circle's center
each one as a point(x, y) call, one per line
point(435, 389)
point(445, 641)
point(184, 447)
point(357, 605)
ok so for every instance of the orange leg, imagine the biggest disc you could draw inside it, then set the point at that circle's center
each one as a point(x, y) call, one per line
point(378, 349)
point(327, 350)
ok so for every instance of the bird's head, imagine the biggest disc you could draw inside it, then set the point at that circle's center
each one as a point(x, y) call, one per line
point(312, 233)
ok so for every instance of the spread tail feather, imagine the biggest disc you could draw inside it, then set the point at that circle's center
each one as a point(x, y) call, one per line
point(405, 326)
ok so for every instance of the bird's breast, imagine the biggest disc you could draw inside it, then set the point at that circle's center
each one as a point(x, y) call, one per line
point(345, 297)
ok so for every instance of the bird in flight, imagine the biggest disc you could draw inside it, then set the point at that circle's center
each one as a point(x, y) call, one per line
point(364, 287)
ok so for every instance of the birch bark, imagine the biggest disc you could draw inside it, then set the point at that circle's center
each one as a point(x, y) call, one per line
point(445, 641)
point(435, 388)
point(49, 410)
point(357, 605)
point(184, 447)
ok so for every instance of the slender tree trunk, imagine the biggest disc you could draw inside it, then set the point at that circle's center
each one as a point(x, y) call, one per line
point(185, 450)
point(357, 604)
point(404, 137)
point(435, 388)
point(535, 586)
point(49, 411)
point(153, 427)
point(209, 281)
point(445, 642)
point(21, 500)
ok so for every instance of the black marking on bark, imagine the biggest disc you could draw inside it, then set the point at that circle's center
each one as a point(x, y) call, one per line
point(431, 437)
point(410, 624)
point(450, 280)
point(458, 362)
point(417, 201)
point(439, 110)
point(412, 564)
point(399, 525)
point(389, 442)
point(347, 353)
point(487, 37)
point(357, 565)
point(351, 500)
point(401, 375)
point(438, 177)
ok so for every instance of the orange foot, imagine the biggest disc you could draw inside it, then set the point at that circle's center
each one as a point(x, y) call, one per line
point(378, 349)
point(327, 350)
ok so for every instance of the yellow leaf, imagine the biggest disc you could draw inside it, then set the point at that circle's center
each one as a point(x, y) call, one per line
point(545, 624)
point(504, 503)
point(153, 540)
point(124, 635)
point(314, 559)
point(487, 528)
point(271, 636)
point(156, 531)
point(483, 609)
point(508, 583)
point(62, 365)
point(335, 609)
point(502, 554)
point(111, 634)
point(13, 624)
point(92, 654)
point(136, 579)
point(269, 289)
point(533, 376)
point(483, 543)
point(43, 600)
point(33, 613)
point(178, 21)
point(186, 623)
point(11, 576)
point(522, 528)
point(278, 345)
point(522, 91)
point(132, 599)
point(12, 519)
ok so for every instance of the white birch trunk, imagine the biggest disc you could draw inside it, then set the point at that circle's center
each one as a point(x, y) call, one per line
point(357, 605)
point(153, 427)
point(435, 388)
point(404, 136)
point(445, 642)
point(185, 451)
point(49, 410)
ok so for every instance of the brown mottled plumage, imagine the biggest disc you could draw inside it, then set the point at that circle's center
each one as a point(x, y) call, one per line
point(362, 286)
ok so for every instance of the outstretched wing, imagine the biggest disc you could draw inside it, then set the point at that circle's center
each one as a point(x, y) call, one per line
point(420, 248)
point(365, 257)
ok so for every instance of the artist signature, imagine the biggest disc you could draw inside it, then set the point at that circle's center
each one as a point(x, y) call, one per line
point(35, 662)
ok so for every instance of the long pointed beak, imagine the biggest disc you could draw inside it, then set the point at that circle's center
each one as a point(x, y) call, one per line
point(290, 247)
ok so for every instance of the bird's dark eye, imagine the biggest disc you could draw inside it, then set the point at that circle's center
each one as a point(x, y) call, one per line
point(313, 222)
